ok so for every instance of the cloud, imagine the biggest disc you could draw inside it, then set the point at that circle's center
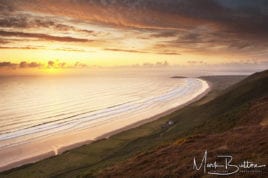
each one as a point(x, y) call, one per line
point(3, 41)
point(8, 65)
point(159, 14)
point(165, 34)
point(42, 36)
point(205, 41)
point(157, 64)
point(194, 25)
point(6, 7)
point(42, 47)
point(25, 64)
point(124, 50)
point(62, 65)
point(79, 65)
point(16, 22)
point(71, 50)
point(169, 53)
point(192, 62)
point(14, 47)
point(30, 21)
point(50, 64)
point(162, 52)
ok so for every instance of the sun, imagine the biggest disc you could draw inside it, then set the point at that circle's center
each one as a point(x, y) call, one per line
point(52, 71)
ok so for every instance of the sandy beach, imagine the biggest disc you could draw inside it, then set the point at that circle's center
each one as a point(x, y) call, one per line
point(34, 151)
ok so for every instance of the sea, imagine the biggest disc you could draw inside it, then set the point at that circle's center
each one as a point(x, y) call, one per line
point(33, 108)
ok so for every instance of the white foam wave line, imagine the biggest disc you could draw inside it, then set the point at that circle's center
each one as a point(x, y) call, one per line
point(71, 117)
point(79, 105)
point(54, 106)
point(24, 100)
point(47, 114)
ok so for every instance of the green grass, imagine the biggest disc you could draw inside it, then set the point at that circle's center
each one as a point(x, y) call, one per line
point(199, 117)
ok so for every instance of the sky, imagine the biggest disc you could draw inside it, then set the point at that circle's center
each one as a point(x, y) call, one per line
point(49, 34)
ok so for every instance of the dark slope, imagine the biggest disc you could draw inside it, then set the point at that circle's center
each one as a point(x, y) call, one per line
point(234, 122)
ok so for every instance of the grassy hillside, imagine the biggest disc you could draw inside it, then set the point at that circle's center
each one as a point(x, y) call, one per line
point(198, 118)
point(234, 122)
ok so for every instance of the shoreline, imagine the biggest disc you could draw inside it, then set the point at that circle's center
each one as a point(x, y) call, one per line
point(158, 116)
point(62, 149)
